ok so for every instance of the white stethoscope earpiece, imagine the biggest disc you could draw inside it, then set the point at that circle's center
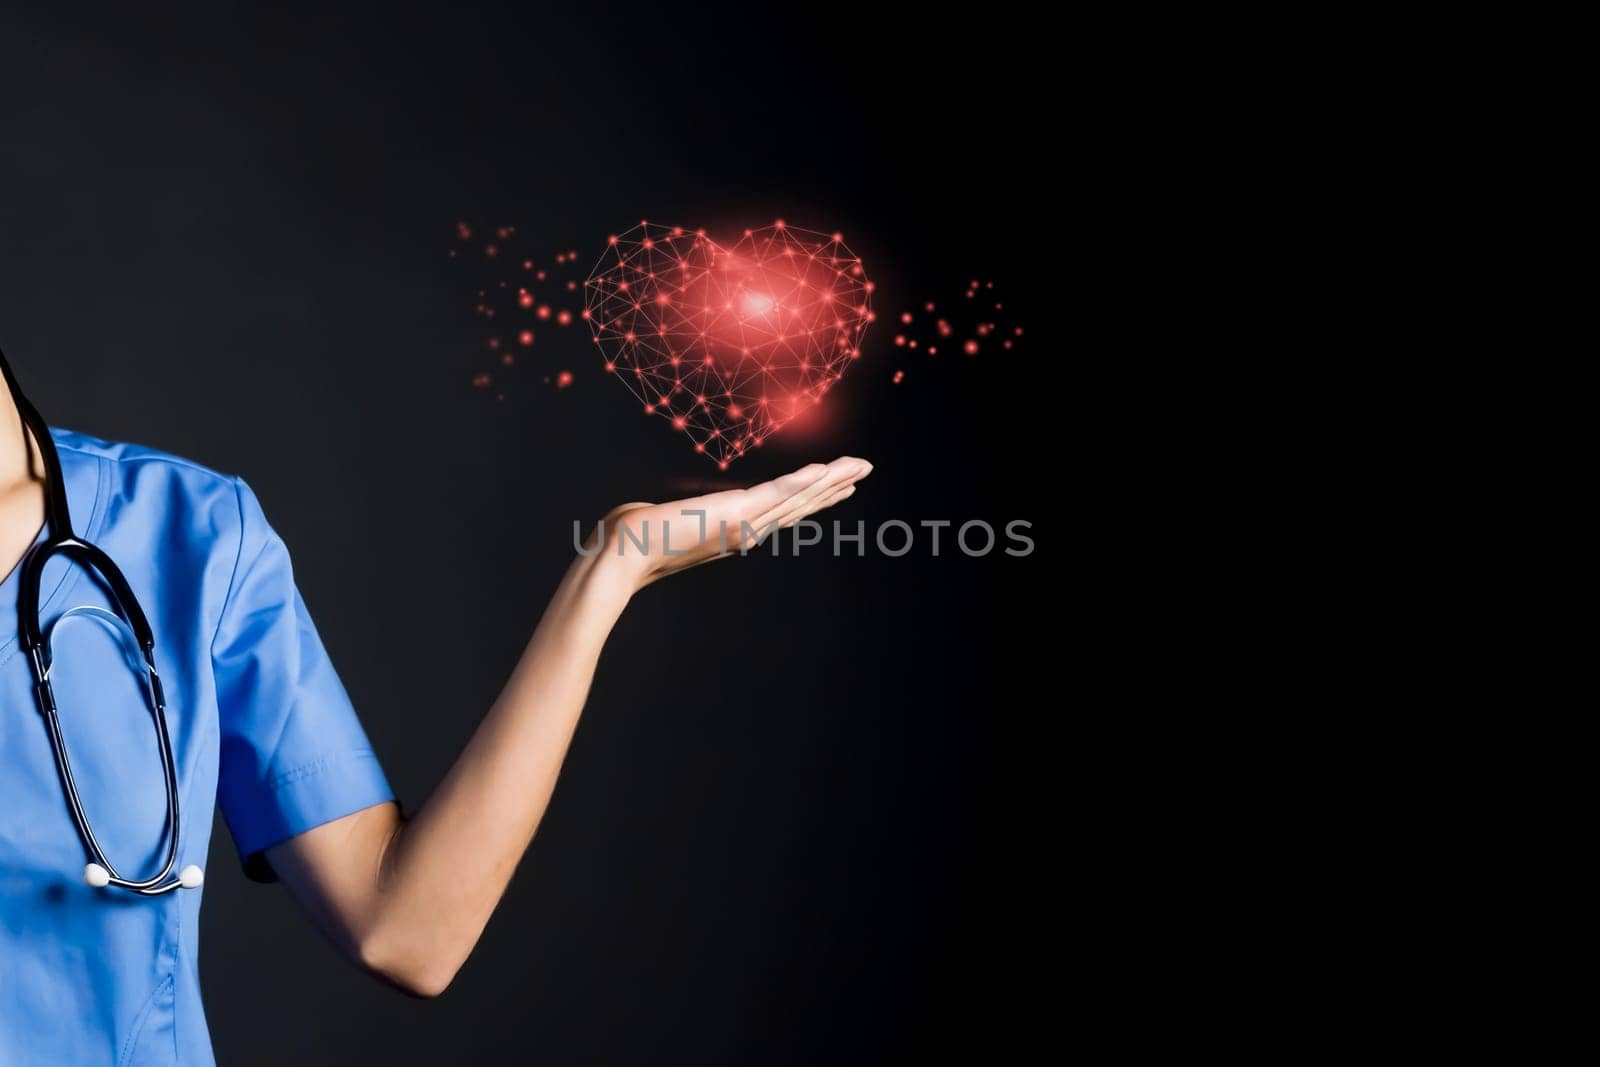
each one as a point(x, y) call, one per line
point(97, 877)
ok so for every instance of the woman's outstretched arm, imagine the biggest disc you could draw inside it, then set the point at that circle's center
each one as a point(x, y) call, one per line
point(408, 898)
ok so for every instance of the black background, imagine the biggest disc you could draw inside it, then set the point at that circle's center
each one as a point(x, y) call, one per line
point(806, 815)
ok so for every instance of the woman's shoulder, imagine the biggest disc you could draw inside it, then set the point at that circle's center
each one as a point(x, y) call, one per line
point(121, 452)
point(130, 456)
point(138, 472)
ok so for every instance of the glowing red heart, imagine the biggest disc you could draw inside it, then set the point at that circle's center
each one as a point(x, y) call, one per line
point(728, 343)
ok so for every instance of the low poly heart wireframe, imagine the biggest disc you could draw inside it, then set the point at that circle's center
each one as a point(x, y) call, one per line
point(728, 343)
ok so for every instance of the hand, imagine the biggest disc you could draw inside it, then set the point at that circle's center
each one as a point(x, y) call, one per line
point(638, 537)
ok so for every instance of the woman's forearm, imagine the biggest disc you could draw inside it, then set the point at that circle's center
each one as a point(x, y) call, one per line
point(444, 870)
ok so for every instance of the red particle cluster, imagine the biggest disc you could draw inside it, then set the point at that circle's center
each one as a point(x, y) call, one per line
point(968, 324)
point(529, 286)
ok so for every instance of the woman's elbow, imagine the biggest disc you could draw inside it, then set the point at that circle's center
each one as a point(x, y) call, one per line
point(414, 972)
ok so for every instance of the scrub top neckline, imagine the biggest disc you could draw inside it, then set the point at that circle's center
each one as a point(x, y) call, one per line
point(71, 459)
point(12, 575)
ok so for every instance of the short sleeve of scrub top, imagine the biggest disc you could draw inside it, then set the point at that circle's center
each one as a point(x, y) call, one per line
point(293, 752)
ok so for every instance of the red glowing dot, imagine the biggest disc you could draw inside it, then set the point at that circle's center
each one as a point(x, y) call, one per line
point(983, 329)
point(912, 343)
point(928, 306)
point(508, 359)
point(1006, 343)
point(900, 339)
point(480, 381)
point(611, 240)
point(899, 376)
point(491, 251)
point(494, 343)
point(585, 314)
point(539, 276)
point(932, 351)
point(563, 379)
point(1018, 331)
point(544, 311)
point(722, 465)
point(678, 422)
point(525, 298)
point(971, 348)
point(564, 318)
point(610, 367)
point(463, 231)
point(778, 223)
point(699, 446)
point(944, 328)
point(504, 232)
point(525, 337)
point(905, 316)
point(572, 287)
point(649, 409)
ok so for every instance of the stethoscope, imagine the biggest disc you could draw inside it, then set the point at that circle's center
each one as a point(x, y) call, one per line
point(131, 626)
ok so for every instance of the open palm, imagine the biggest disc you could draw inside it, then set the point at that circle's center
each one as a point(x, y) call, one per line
point(662, 539)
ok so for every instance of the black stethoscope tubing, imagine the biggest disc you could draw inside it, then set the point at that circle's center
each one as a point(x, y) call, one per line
point(60, 540)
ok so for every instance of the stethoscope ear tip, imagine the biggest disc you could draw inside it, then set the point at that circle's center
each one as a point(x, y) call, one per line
point(191, 877)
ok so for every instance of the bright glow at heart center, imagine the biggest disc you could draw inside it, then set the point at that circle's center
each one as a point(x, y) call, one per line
point(757, 304)
point(728, 343)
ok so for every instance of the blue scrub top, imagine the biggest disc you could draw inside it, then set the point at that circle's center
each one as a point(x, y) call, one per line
point(261, 727)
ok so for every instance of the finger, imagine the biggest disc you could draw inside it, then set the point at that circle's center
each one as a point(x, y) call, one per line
point(768, 495)
point(824, 505)
point(812, 500)
point(839, 473)
point(844, 473)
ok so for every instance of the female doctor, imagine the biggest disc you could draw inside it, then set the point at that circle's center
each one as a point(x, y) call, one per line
point(203, 648)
